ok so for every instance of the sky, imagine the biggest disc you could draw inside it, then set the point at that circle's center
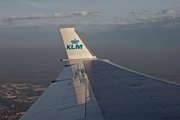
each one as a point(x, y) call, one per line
point(40, 12)
point(143, 34)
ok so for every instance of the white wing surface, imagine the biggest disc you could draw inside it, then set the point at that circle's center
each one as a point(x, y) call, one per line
point(93, 89)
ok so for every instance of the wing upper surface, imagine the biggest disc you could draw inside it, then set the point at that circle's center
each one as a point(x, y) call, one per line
point(127, 95)
point(92, 89)
point(69, 97)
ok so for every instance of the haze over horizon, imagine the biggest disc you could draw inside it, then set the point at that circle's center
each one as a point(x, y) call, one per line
point(140, 35)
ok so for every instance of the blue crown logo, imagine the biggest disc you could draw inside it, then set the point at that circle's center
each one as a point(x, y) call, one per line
point(74, 41)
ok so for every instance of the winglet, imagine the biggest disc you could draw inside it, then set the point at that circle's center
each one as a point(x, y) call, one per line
point(75, 47)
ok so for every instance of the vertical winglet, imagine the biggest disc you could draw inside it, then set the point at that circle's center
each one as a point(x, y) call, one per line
point(74, 46)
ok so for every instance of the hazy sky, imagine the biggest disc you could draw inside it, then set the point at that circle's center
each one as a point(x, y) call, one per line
point(40, 12)
point(30, 23)
point(141, 32)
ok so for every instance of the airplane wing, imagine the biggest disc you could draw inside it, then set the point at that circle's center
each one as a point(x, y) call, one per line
point(89, 88)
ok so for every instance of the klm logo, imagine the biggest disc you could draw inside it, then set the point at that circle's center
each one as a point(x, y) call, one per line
point(74, 45)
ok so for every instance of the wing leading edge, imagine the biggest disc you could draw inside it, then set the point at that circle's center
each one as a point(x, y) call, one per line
point(89, 88)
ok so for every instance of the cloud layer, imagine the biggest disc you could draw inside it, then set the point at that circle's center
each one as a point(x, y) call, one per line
point(78, 13)
point(164, 18)
point(55, 15)
point(24, 18)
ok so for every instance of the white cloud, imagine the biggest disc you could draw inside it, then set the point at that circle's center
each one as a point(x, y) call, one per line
point(55, 15)
point(166, 12)
point(58, 14)
point(166, 17)
point(137, 13)
point(145, 11)
point(83, 13)
point(24, 18)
